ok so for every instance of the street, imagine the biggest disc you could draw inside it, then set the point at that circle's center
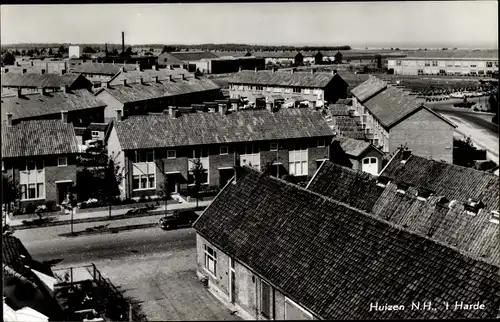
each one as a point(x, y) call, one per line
point(155, 267)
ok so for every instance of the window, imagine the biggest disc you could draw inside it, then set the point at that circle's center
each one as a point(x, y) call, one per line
point(143, 182)
point(297, 160)
point(34, 165)
point(307, 91)
point(259, 88)
point(489, 64)
point(480, 72)
point(265, 299)
point(296, 90)
point(398, 63)
point(95, 134)
point(171, 154)
point(62, 161)
point(442, 71)
point(473, 72)
point(427, 63)
point(32, 191)
point(144, 156)
point(434, 63)
point(321, 143)
point(473, 65)
point(273, 146)
point(203, 179)
point(211, 260)
point(224, 150)
point(200, 153)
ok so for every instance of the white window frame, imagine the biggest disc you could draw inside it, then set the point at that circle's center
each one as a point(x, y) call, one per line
point(259, 88)
point(39, 195)
point(297, 306)
point(140, 176)
point(297, 90)
point(494, 217)
point(174, 154)
point(224, 147)
point(94, 133)
point(321, 143)
point(275, 148)
point(298, 155)
point(207, 258)
point(64, 164)
point(261, 300)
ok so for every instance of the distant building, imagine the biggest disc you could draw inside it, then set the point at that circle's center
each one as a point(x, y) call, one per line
point(34, 83)
point(101, 73)
point(233, 54)
point(167, 60)
point(446, 62)
point(38, 66)
point(74, 52)
point(394, 118)
point(147, 75)
point(285, 58)
point(287, 87)
point(225, 65)
point(192, 60)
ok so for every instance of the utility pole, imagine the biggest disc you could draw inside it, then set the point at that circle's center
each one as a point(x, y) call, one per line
point(277, 158)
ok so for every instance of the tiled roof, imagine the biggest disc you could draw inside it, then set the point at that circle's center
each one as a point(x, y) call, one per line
point(193, 55)
point(280, 78)
point(444, 179)
point(353, 79)
point(453, 54)
point(276, 54)
point(16, 256)
point(38, 80)
point(171, 59)
point(97, 126)
point(147, 75)
point(474, 235)
point(152, 90)
point(102, 68)
point(159, 131)
point(335, 260)
point(40, 137)
point(369, 88)
point(230, 53)
point(353, 147)
point(338, 110)
point(34, 105)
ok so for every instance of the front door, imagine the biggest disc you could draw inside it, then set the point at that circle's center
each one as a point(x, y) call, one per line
point(172, 184)
point(62, 191)
point(224, 176)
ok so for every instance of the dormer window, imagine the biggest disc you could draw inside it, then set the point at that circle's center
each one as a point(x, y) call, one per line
point(472, 206)
point(494, 217)
point(382, 181)
point(443, 202)
point(423, 194)
point(402, 188)
point(406, 153)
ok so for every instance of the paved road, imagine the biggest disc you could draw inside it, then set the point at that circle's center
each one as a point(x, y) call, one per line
point(87, 249)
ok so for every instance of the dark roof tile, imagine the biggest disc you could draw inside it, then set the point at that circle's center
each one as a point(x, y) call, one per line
point(38, 80)
point(282, 78)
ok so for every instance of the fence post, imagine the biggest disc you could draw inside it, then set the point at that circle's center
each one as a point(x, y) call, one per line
point(93, 266)
point(130, 318)
point(71, 273)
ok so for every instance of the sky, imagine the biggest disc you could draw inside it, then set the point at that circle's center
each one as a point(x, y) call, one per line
point(462, 24)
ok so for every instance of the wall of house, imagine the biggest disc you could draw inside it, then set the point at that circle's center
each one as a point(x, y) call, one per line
point(357, 162)
point(309, 94)
point(426, 134)
point(112, 104)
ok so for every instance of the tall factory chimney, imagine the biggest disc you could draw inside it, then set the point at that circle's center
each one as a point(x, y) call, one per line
point(123, 42)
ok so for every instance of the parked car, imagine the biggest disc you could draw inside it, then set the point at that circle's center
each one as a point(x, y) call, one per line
point(177, 219)
point(457, 95)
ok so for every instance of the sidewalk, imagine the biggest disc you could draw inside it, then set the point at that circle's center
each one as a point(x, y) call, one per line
point(104, 215)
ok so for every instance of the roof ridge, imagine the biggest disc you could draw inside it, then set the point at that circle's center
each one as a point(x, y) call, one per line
point(379, 219)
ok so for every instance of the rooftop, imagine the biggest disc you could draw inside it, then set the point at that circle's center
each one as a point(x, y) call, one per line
point(147, 75)
point(37, 138)
point(169, 59)
point(38, 80)
point(453, 54)
point(153, 90)
point(284, 78)
point(353, 147)
point(102, 68)
point(161, 131)
point(33, 105)
point(276, 54)
point(231, 53)
point(282, 237)
point(193, 55)
point(475, 235)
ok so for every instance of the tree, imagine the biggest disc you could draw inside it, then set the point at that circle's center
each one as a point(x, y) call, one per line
point(198, 172)
point(23, 52)
point(168, 49)
point(463, 152)
point(114, 52)
point(51, 53)
point(112, 180)
point(88, 50)
point(11, 191)
point(165, 188)
point(8, 58)
point(62, 50)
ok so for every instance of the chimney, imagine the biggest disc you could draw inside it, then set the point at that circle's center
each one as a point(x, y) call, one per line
point(9, 119)
point(124, 81)
point(313, 105)
point(63, 71)
point(32, 63)
point(155, 79)
point(275, 69)
point(171, 78)
point(406, 153)
point(25, 70)
point(153, 67)
point(237, 167)
point(64, 117)
point(19, 92)
point(172, 112)
point(113, 62)
point(292, 70)
point(256, 69)
point(222, 109)
point(123, 42)
point(235, 106)
point(119, 115)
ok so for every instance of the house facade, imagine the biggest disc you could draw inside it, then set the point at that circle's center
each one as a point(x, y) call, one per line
point(40, 156)
point(287, 87)
point(460, 63)
point(363, 155)
point(394, 118)
point(290, 255)
point(286, 58)
point(277, 142)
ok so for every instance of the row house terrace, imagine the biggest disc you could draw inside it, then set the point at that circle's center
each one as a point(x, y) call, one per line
point(394, 118)
point(152, 94)
point(42, 83)
point(149, 147)
point(100, 73)
point(295, 254)
point(82, 106)
point(40, 155)
point(288, 88)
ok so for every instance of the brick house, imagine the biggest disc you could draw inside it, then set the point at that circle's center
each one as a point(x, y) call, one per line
point(148, 75)
point(143, 96)
point(147, 147)
point(394, 118)
point(286, 58)
point(287, 88)
point(41, 156)
point(453, 205)
point(82, 106)
point(42, 83)
point(297, 255)
point(100, 73)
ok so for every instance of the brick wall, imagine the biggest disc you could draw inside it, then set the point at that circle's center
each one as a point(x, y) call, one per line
point(313, 155)
point(111, 105)
point(426, 134)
